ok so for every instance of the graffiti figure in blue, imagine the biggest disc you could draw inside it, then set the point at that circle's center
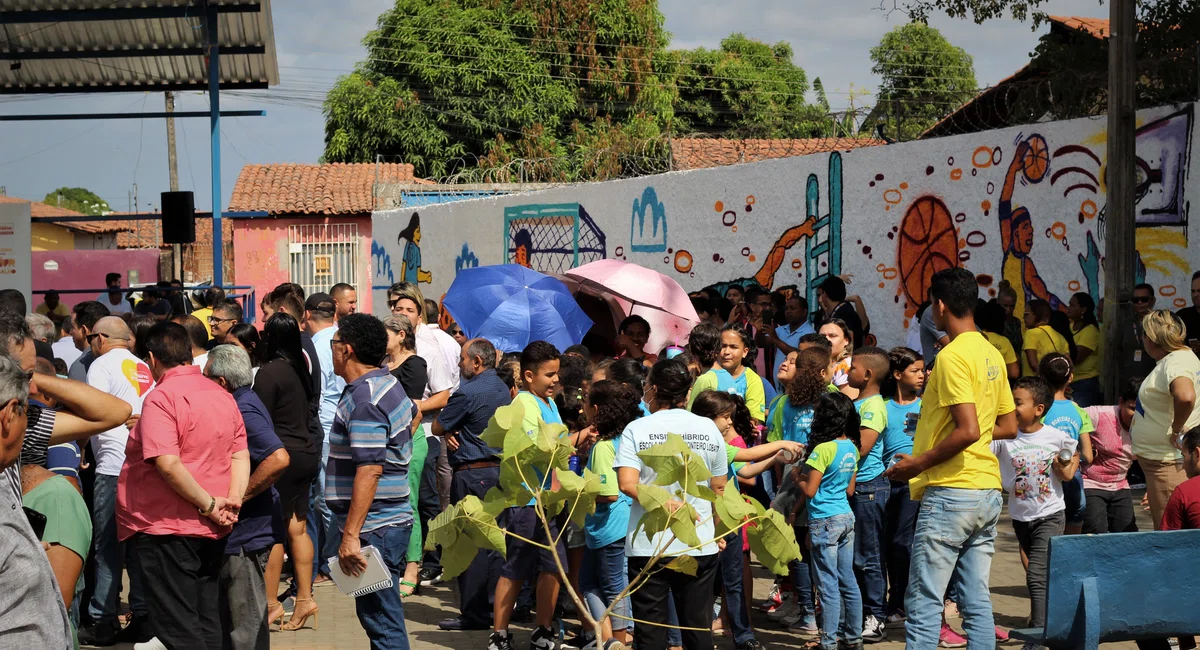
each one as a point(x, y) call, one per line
point(410, 264)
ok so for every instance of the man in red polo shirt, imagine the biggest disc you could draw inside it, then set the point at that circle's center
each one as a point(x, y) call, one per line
point(180, 490)
point(1183, 509)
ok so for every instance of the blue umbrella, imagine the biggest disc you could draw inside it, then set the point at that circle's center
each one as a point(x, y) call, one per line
point(512, 306)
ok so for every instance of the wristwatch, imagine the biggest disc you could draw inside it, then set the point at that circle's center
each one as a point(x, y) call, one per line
point(212, 503)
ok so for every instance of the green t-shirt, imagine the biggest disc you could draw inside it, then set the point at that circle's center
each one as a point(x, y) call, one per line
point(872, 414)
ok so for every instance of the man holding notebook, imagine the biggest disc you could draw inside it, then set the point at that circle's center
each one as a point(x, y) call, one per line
point(366, 480)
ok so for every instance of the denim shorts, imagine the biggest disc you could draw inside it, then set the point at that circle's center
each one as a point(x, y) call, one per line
point(524, 561)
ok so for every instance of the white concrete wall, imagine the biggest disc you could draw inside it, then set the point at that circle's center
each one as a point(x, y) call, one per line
point(905, 211)
point(15, 249)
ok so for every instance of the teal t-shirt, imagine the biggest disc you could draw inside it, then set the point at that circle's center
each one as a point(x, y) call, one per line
point(795, 422)
point(901, 425)
point(872, 414)
point(836, 460)
point(1065, 416)
point(610, 523)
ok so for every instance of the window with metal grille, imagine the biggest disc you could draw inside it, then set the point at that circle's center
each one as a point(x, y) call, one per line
point(323, 255)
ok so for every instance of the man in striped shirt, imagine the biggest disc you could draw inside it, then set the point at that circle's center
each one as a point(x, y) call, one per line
point(367, 489)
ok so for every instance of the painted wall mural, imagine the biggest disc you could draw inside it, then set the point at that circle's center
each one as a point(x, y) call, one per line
point(1023, 205)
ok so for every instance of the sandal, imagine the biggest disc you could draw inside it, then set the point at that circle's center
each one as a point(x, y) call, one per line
point(416, 589)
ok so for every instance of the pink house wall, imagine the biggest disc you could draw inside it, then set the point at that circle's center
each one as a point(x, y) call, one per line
point(261, 257)
point(63, 270)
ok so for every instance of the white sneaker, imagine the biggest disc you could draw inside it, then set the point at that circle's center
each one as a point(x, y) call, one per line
point(873, 630)
point(789, 608)
point(152, 644)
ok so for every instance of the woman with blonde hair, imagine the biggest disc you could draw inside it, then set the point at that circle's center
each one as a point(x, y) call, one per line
point(1168, 407)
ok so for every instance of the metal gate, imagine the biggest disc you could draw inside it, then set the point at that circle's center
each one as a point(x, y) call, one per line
point(323, 255)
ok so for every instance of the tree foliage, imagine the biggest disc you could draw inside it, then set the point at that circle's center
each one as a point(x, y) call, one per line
point(582, 90)
point(530, 463)
point(78, 199)
point(923, 78)
point(1075, 67)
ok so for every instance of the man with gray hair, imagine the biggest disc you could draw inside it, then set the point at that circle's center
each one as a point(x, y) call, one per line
point(42, 331)
point(119, 373)
point(34, 614)
point(476, 467)
point(259, 527)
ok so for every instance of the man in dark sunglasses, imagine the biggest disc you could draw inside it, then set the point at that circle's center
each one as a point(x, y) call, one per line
point(1135, 362)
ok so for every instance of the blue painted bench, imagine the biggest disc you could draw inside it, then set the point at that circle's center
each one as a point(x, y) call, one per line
point(1120, 587)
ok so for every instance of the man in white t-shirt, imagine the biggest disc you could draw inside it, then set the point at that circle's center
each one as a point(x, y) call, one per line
point(119, 373)
point(668, 392)
point(114, 299)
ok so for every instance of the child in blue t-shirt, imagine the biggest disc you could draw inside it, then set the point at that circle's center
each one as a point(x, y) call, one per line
point(903, 390)
point(828, 482)
point(1066, 416)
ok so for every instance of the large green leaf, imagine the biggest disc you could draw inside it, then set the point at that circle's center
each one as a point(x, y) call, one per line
point(683, 526)
point(444, 529)
point(481, 526)
point(580, 491)
point(656, 519)
point(732, 510)
point(664, 457)
point(505, 419)
point(773, 542)
point(457, 557)
point(495, 501)
point(685, 564)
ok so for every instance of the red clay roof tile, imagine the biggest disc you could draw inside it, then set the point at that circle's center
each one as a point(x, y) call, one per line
point(327, 189)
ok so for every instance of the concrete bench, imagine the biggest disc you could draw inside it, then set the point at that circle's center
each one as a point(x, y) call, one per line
point(1120, 587)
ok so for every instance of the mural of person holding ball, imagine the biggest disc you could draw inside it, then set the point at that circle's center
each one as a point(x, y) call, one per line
point(1032, 158)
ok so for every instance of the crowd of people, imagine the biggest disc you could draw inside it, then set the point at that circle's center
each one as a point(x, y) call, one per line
point(227, 469)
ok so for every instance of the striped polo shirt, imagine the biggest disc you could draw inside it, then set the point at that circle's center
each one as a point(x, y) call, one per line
point(373, 426)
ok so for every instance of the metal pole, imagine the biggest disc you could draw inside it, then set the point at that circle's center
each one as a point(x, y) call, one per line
point(1120, 241)
point(214, 121)
point(173, 168)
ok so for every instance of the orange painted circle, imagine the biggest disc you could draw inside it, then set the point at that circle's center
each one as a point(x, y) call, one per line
point(956, 174)
point(1088, 209)
point(1180, 303)
point(881, 267)
point(890, 274)
point(750, 200)
point(1036, 161)
point(893, 196)
point(1167, 291)
point(796, 264)
point(1073, 285)
point(751, 258)
point(928, 243)
point(683, 261)
point(982, 158)
point(904, 186)
point(719, 206)
point(733, 228)
point(1058, 230)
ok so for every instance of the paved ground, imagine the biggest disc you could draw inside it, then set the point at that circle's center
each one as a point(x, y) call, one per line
point(338, 628)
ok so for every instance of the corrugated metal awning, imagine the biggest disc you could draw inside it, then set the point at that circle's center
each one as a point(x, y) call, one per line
point(76, 46)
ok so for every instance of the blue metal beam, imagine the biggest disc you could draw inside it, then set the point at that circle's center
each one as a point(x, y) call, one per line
point(36, 55)
point(124, 116)
point(122, 13)
point(214, 107)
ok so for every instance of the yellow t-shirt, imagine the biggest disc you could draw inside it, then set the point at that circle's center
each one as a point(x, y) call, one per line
point(968, 371)
point(60, 311)
point(1042, 340)
point(1151, 428)
point(1089, 337)
point(203, 315)
point(1003, 345)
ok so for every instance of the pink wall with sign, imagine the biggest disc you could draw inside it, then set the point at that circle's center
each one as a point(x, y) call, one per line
point(65, 270)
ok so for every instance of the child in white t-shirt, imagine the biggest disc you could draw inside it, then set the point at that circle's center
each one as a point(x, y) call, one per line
point(1032, 468)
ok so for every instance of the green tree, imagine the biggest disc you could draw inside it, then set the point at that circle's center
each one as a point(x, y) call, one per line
point(923, 78)
point(527, 461)
point(78, 199)
point(1075, 80)
point(566, 89)
point(745, 89)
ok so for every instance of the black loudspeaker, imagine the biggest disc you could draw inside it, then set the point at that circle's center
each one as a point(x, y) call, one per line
point(178, 218)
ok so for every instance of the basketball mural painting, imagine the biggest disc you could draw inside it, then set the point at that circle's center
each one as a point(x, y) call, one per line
point(1023, 205)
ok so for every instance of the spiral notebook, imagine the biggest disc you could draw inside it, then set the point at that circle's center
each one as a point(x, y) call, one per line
point(375, 577)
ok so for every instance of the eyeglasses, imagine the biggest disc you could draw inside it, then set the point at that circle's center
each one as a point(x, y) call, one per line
point(1142, 299)
point(333, 342)
point(213, 320)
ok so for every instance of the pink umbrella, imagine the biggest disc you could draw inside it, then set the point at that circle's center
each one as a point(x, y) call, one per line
point(644, 292)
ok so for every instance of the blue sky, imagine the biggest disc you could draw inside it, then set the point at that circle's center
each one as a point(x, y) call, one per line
point(318, 40)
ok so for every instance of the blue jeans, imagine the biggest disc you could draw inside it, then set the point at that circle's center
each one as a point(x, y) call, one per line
point(800, 571)
point(955, 534)
point(731, 565)
point(111, 556)
point(674, 636)
point(382, 613)
point(321, 529)
point(833, 555)
point(604, 575)
point(898, 540)
point(869, 504)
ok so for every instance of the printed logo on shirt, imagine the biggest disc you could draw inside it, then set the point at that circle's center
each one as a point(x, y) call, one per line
point(138, 375)
point(1032, 474)
point(869, 415)
point(993, 371)
point(910, 423)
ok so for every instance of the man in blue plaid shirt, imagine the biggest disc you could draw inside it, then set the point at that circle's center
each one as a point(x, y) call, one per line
point(366, 480)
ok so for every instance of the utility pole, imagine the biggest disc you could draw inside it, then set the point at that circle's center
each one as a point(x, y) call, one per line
point(1120, 239)
point(172, 164)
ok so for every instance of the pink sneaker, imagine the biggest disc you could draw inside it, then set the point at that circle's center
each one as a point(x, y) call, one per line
point(948, 638)
point(1001, 635)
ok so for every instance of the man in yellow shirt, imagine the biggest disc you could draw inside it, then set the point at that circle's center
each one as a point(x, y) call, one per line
point(53, 308)
point(953, 471)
